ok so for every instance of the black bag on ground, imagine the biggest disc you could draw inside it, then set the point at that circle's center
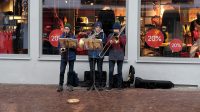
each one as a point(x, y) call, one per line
point(152, 84)
point(74, 79)
point(87, 78)
point(115, 81)
point(131, 78)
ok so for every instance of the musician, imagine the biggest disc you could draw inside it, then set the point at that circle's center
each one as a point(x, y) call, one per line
point(68, 55)
point(116, 54)
point(93, 55)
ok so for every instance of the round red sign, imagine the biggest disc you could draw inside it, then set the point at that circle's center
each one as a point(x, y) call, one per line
point(176, 45)
point(154, 38)
point(54, 36)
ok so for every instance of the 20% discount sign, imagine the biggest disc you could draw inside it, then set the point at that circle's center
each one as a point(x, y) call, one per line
point(154, 38)
point(54, 37)
point(176, 45)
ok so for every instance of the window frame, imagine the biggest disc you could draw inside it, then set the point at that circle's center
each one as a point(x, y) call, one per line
point(176, 60)
point(80, 58)
point(20, 56)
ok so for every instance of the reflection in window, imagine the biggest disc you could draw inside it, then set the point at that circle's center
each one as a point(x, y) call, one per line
point(14, 27)
point(81, 14)
point(170, 28)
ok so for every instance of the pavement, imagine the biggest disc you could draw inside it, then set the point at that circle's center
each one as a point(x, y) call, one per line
point(45, 98)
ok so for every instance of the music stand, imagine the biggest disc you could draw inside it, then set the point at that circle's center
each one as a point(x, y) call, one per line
point(62, 42)
point(68, 43)
point(71, 43)
point(93, 44)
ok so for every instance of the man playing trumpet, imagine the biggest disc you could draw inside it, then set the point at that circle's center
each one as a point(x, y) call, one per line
point(93, 55)
point(117, 42)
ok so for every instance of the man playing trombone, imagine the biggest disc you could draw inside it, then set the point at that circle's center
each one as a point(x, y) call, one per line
point(117, 43)
point(93, 55)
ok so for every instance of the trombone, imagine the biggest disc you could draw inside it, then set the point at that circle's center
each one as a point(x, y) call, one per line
point(107, 45)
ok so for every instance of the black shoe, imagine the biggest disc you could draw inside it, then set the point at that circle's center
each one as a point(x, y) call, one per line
point(70, 88)
point(119, 88)
point(100, 89)
point(88, 88)
point(108, 88)
point(60, 89)
point(91, 88)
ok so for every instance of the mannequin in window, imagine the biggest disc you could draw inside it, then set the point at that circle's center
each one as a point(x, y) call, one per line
point(171, 20)
point(195, 30)
point(156, 19)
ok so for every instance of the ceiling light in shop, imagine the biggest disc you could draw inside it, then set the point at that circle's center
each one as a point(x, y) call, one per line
point(14, 17)
point(91, 3)
point(106, 8)
point(66, 1)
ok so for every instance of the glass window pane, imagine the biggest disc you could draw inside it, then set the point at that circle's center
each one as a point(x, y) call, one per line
point(81, 14)
point(170, 28)
point(14, 27)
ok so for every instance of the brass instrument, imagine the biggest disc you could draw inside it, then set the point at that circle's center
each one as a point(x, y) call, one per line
point(115, 38)
point(85, 43)
point(62, 43)
point(94, 35)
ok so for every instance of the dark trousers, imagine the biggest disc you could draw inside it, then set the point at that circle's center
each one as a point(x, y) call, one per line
point(63, 65)
point(92, 62)
point(119, 70)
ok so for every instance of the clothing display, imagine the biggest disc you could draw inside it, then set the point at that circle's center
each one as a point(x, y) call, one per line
point(195, 29)
point(6, 43)
point(175, 22)
point(171, 19)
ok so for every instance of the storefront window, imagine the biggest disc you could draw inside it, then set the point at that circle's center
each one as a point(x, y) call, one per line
point(13, 27)
point(81, 14)
point(170, 28)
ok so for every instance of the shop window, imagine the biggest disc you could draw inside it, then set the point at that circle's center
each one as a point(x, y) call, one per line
point(81, 14)
point(170, 28)
point(14, 27)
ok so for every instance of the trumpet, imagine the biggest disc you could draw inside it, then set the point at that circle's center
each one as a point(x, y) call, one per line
point(94, 35)
point(62, 50)
point(115, 38)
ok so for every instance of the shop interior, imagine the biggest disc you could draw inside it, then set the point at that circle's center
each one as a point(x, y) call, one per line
point(174, 18)
point(81, 18)
point(14, 26)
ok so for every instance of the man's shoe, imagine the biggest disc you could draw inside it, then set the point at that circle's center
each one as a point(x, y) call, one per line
point(119, 88)
point(100, 89)
point(108, 88)
point(88, 88)
point(70, 88)
point(60, 89)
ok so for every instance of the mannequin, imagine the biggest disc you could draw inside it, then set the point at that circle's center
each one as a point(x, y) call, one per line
point(171, 21)
point(195, 30)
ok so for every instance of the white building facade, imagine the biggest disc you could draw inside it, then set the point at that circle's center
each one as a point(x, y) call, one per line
point(36, 68)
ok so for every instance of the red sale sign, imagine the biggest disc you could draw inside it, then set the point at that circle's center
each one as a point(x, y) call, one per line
point(154, 38)
point(54, 36)
point(176, 45)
